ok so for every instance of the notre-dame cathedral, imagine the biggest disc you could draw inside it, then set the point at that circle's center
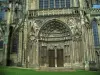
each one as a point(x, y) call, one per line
point(53, 34)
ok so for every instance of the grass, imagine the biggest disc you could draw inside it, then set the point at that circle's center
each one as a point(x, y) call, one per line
point(16, 71)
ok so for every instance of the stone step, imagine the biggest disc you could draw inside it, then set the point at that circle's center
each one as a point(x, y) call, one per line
point(53, 69)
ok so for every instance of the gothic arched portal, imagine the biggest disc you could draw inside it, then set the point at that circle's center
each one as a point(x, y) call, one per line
point(54, 40)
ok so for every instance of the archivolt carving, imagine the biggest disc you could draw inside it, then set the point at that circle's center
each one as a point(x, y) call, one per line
point(72, 21)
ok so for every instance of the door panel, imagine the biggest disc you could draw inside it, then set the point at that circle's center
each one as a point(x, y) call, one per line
point(43, 55)
point(60, 58)
point(51, 58)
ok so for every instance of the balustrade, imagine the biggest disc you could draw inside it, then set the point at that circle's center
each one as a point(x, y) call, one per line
point(69, 11)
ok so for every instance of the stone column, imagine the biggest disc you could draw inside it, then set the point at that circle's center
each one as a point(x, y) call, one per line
point(37, 54)
point(75, 55)
point(64, 53)
point(91, 45)
point(75, 3)
point(55, 57)
point(33, 4)
point(82, 3)
point(6, 35)
point(36, 44)
point(33, 52)
point(25, 44)
point(99, 31)
point(93, 49)
point(73, 58)
point(90, 42)
point(76, 51)
point(20, 48)
point(87, 50)
point(84, 41)
point(71, 3)
point(71, 54)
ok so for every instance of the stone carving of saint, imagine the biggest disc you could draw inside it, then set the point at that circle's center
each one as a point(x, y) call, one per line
point(77, 32)
point(34, 31)
point(71, 22)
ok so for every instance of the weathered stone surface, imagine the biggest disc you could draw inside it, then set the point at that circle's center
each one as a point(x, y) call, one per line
point(55, 38)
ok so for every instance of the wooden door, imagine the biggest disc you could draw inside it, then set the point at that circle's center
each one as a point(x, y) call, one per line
point(51, 58)
point(60, 58)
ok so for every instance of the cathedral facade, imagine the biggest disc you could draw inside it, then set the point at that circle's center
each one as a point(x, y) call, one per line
point(57, 34)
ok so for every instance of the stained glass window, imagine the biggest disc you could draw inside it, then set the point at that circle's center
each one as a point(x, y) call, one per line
point(41, 4)
point(62, 3)
point(57, 4)
point(98, 1)
point(67, 3)
point(51, 3)
point(95, 33)
point(15, 44)
point(44, 4)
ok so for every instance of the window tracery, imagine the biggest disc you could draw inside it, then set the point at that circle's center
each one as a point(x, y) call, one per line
point(54, 31)
point(45, 4)
point(95, 32)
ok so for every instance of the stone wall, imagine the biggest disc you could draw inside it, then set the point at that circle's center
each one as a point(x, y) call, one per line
point(1, 57)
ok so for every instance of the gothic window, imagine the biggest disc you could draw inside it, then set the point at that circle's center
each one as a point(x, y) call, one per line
point(57, 3)
point(15, 44)
point(51, 3)
point(67, 3)
point(95, 33)
point(1, 44)
point(44, 4)
point(98, 1)
point(95, 1)
point(62, 3)
point(40, 4)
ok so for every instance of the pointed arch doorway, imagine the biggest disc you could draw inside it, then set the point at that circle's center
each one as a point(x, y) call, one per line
point(56, 58)
point(52, 39)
